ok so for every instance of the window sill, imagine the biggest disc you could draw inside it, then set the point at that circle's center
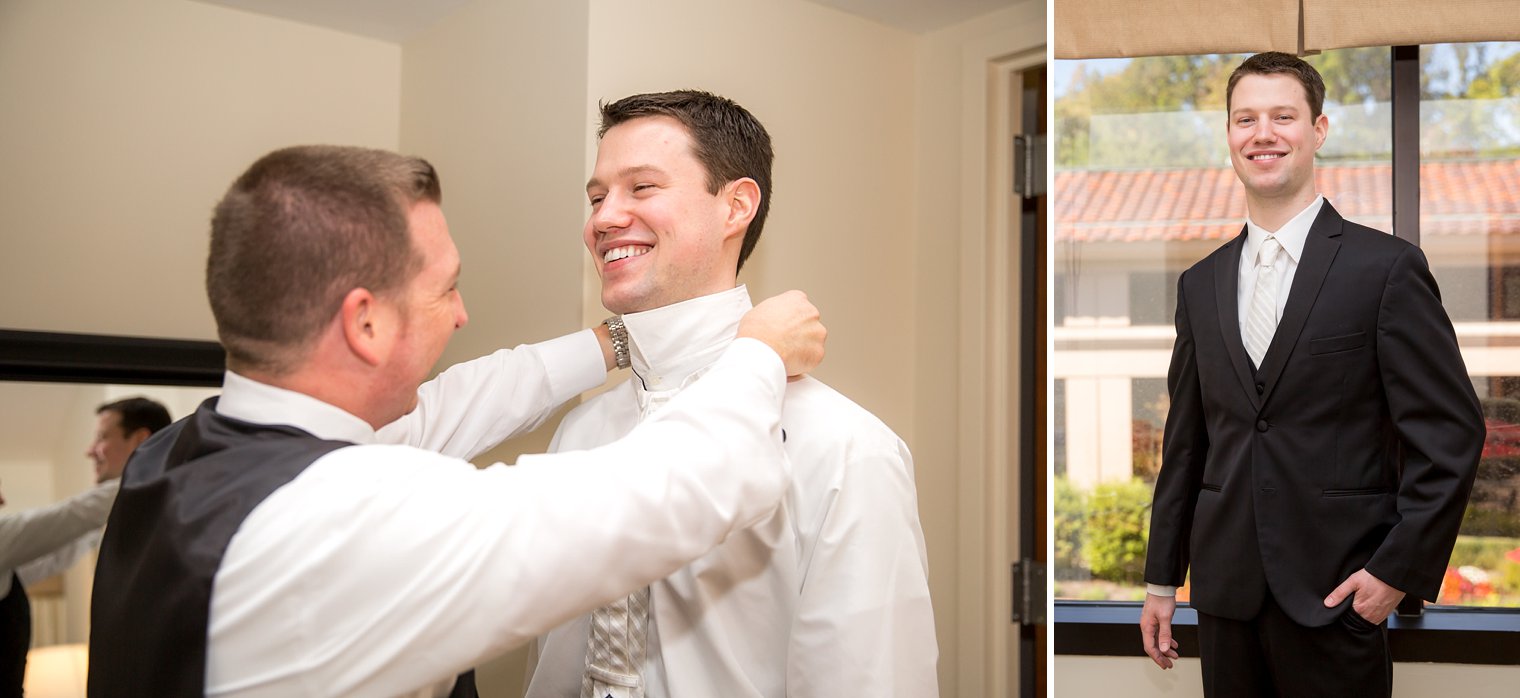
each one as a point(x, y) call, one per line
point(1442, 635)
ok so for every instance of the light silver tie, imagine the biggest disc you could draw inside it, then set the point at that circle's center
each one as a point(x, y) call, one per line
point(615, 651)
point(1261, 321)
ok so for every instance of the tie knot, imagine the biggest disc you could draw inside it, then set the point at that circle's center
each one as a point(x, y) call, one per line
point(1267, 255)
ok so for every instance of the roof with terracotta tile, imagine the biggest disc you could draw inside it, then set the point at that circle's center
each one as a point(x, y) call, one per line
point(1478, 197)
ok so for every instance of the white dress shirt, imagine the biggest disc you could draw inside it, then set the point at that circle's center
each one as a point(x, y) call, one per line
point(39, 543)
point(384, 569)
point(828, 597)
point(1292, 236)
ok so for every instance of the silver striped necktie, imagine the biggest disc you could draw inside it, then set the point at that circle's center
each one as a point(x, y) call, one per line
point(616, 649)
point(1261, 321)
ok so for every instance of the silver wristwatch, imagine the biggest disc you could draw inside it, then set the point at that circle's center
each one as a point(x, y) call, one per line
point(619, 336)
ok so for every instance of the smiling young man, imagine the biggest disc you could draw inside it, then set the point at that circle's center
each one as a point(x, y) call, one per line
point(1323, 434)
point(829, 596)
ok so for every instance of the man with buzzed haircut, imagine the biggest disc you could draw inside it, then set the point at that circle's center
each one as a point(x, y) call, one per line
point(315, 531)
point(829, 596)
point(1323, 433)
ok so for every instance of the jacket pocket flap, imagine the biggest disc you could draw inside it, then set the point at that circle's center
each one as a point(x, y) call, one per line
point(1329, 345)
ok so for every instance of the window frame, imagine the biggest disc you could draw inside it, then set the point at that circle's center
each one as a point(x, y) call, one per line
point(1416, 633)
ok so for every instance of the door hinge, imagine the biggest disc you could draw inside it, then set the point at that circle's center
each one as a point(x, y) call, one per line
point(1028, 607)
point(1029, 165)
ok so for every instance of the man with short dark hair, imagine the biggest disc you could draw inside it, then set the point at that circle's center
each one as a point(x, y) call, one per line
point(827, 597)
point(46, 541)
point(120, 427)
point(315, 531)
point(1323, 433)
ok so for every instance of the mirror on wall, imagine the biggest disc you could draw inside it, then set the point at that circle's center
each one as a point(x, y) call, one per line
point(44, 436)
point(51, 385)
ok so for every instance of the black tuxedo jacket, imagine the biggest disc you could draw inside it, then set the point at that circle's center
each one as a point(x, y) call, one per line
point(1354, 445)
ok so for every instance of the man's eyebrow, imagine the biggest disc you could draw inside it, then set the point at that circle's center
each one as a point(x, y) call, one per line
point(1280, 107)
point(627, 172)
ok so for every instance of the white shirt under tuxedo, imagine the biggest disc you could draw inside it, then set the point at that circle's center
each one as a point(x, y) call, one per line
point(827, 597)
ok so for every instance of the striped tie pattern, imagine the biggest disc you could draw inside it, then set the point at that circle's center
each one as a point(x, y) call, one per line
point(616, 648)
point(615, 653)
point(1261, 321)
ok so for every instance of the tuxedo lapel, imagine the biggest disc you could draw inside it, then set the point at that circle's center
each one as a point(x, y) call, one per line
point(1320, 249)
point(1226, 290)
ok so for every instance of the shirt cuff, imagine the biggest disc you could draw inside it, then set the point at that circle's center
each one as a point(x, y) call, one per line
point(573, 364)
point(750, 349)
point(1160, 590)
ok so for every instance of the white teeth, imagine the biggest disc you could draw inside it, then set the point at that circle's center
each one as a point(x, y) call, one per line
point(1266, 156)
point(617, 253)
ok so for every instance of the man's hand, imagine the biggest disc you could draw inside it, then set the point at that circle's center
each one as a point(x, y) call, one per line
point(1156, 629)
point(1373, 600)
point(789, 324)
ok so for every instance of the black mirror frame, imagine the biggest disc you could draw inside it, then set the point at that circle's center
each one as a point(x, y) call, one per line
point(60, 357)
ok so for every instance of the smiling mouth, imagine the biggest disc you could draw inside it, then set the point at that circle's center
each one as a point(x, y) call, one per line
point(624, 252)
point(1264, 156)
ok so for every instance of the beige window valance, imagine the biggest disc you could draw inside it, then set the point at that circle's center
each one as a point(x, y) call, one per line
point(1123, 28)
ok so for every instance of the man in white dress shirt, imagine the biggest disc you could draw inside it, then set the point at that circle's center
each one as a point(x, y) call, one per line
point(829, 595)
point(315, 531)
point(39, 543)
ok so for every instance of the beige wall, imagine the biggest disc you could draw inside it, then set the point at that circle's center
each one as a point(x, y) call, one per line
point(493, 95)
point(126, 120)
point(1137, 677)
point(952, 70)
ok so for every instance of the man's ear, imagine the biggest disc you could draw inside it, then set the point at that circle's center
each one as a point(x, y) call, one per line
point(366, 326)
point(138, 436)
point(743, 198)
point(1321, 129)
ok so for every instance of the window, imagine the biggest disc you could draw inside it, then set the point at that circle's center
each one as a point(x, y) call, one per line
point(1146, 189)
point(1470, 230)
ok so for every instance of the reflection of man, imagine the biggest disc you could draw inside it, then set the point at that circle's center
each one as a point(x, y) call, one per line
point(1323, 433)
point(828, 597)
point(39, 543)
point(271, 544)
point(120, 427)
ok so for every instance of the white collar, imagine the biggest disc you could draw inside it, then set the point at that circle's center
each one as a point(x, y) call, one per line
point(1292, 235)
point(669, 345)
point(260, 403)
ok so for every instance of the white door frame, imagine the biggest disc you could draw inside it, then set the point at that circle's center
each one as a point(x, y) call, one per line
point(988, 295)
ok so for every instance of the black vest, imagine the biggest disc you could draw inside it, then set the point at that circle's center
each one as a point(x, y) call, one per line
point(15, 638)
point(184, 494)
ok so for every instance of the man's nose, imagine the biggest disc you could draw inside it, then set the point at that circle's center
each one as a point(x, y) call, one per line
point(1264, 131)
point(610, 214)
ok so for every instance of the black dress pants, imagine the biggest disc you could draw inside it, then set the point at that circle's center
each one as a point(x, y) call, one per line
point(1271, 656)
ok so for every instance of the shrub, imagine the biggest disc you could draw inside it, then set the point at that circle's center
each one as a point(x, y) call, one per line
point(1482, 521)
point(1117, 525)
point(1070, 517)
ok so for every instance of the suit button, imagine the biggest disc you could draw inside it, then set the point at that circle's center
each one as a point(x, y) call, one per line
point(1261, 425)
point(1261, 388)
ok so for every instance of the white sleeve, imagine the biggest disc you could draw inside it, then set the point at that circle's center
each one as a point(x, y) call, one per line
point(864, 623)
point(382, 569)
point(473, 406)
point(30, 534)
point(60, 560)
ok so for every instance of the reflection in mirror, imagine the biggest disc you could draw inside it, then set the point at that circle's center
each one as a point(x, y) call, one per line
point(44, 435)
